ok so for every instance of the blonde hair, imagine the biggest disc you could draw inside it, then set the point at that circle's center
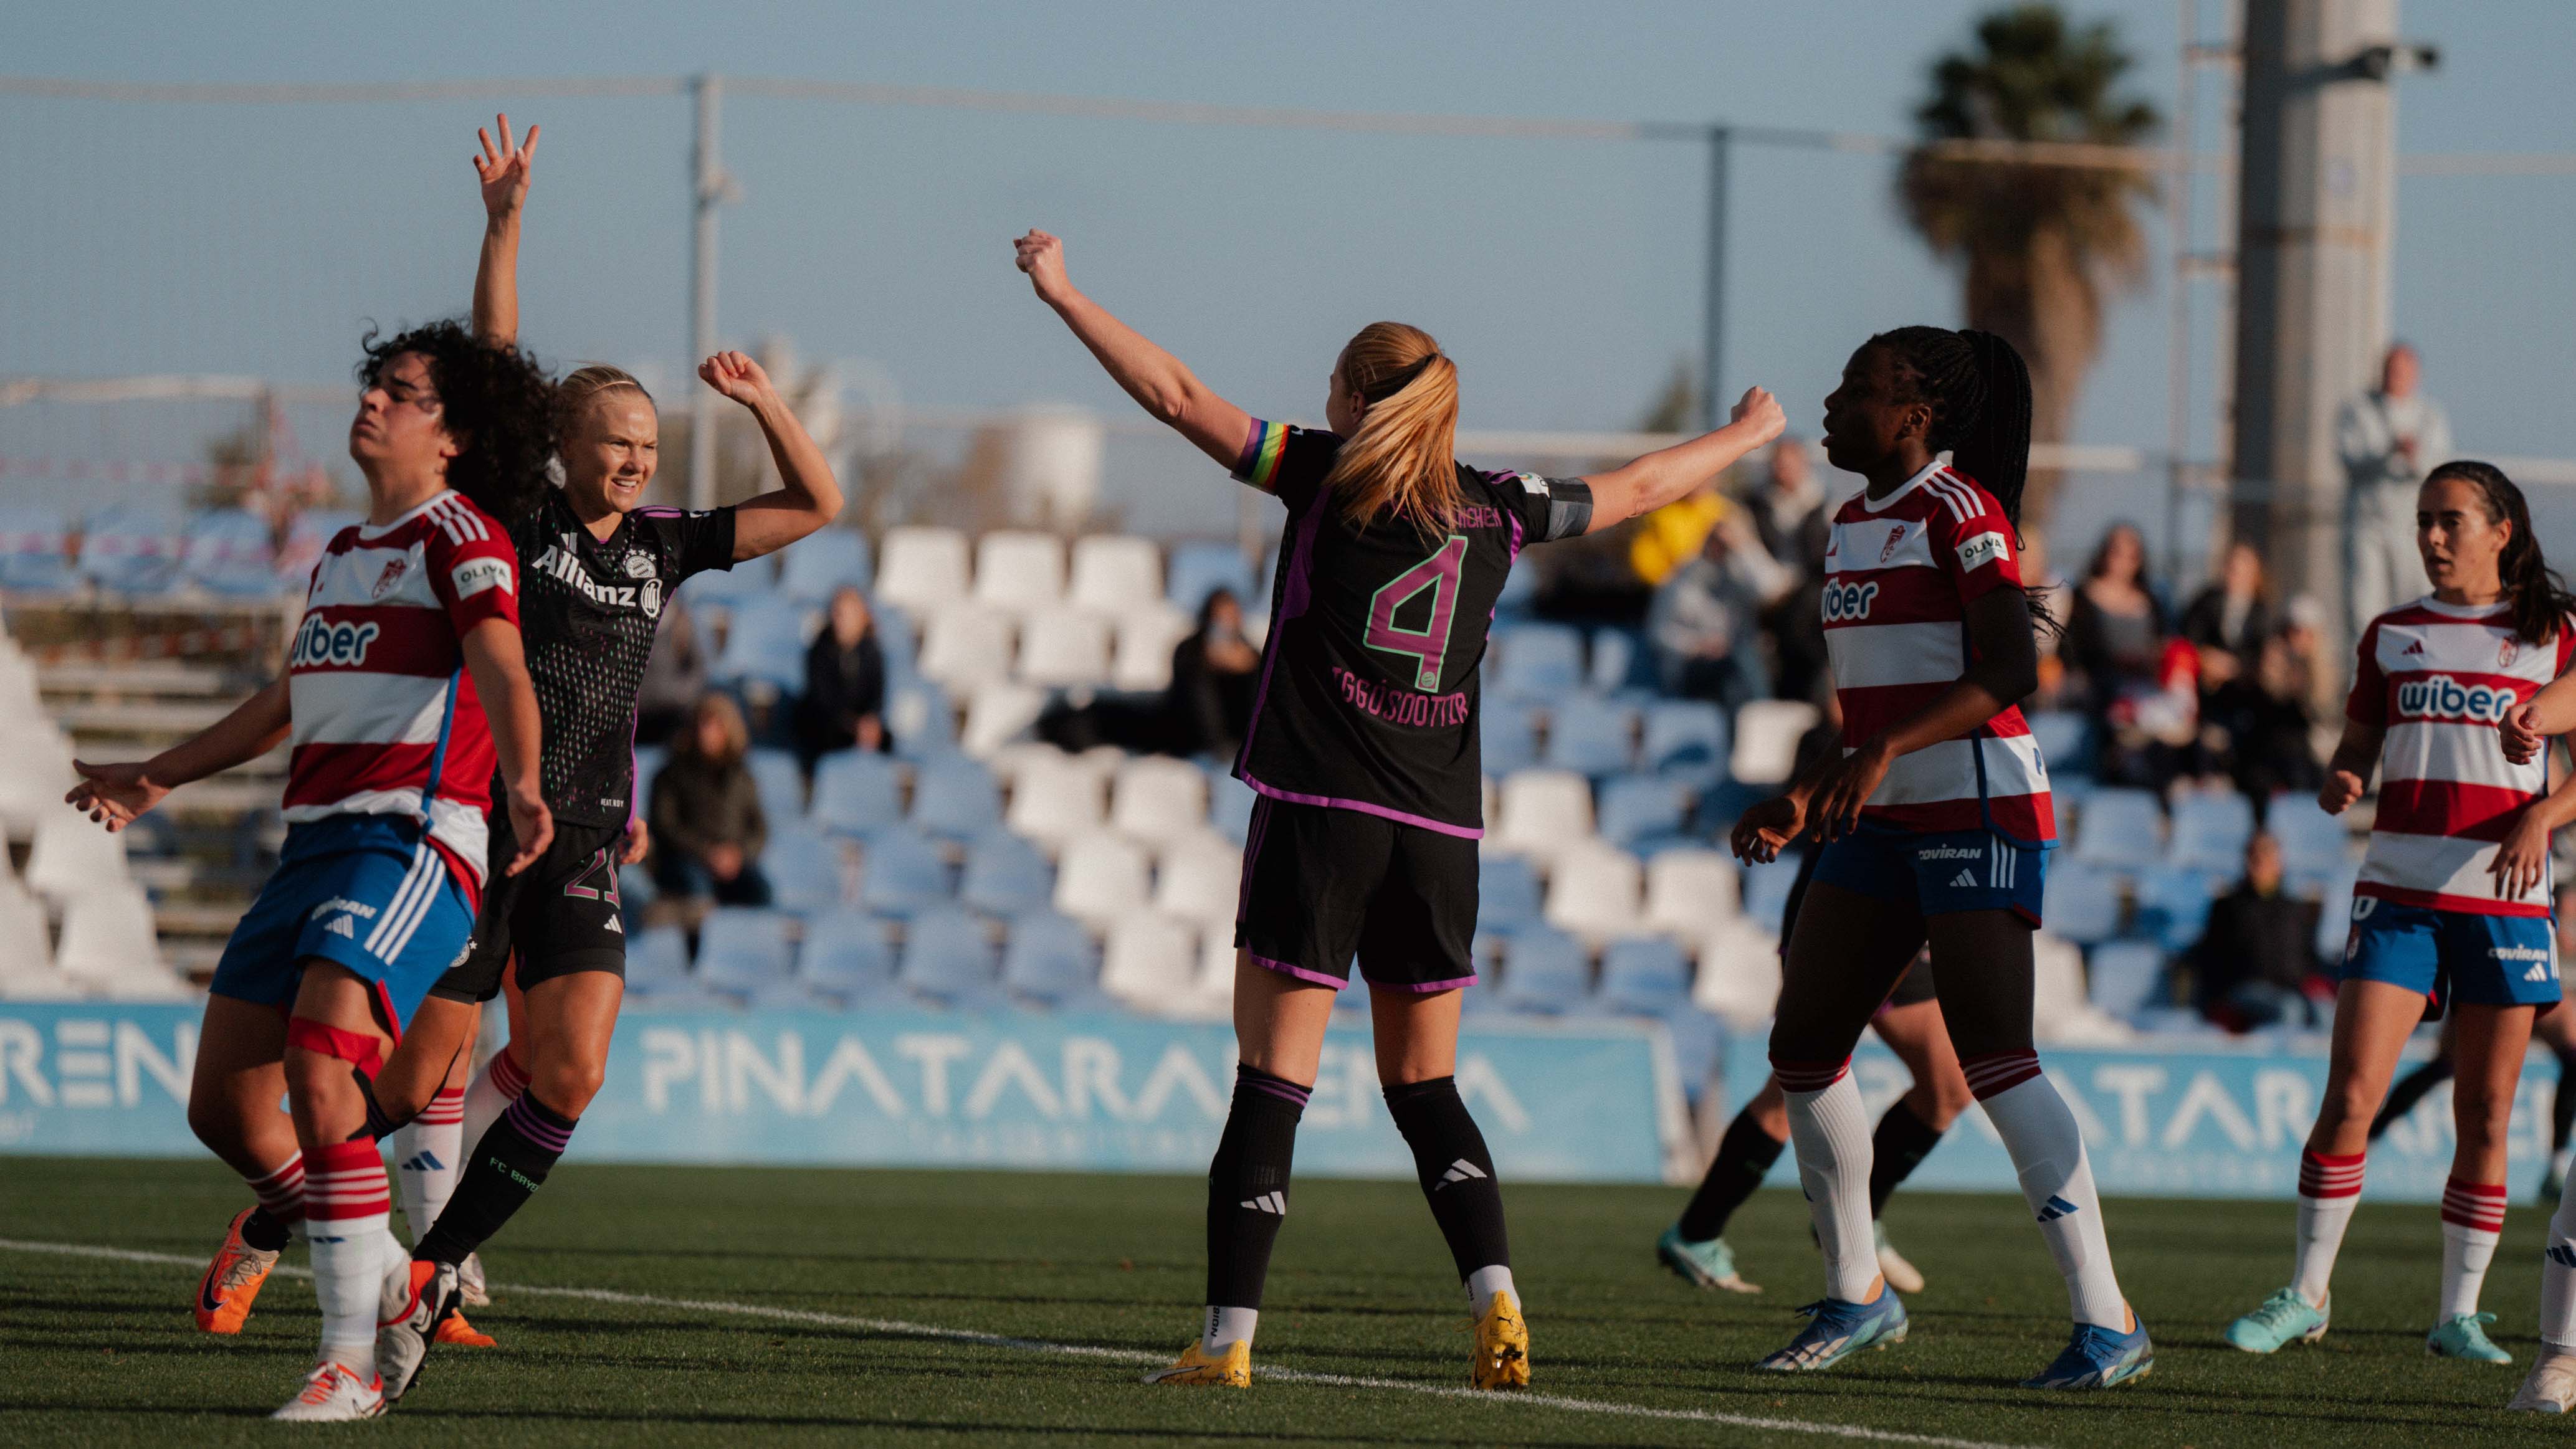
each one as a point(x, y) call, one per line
point(573, 395)
point(737, 734)
point(1401, 461)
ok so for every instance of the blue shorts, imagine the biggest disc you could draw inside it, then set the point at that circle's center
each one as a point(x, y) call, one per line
point(361, 891)
point(2453, 955)
point(1937, 872)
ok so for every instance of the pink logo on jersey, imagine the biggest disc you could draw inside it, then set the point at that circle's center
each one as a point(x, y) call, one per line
point(386, 581)
point(1895, 536)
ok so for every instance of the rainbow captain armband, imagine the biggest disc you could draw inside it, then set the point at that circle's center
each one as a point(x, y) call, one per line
point(1262, 451)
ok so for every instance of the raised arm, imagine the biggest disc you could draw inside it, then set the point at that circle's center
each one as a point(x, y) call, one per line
point(114, 795)
point(1668, 474)
point(810, 497)
point(1157, 380)
point(503, 170)
point(494, 657)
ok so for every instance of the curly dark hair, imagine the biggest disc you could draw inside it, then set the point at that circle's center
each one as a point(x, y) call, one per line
point(498, 403)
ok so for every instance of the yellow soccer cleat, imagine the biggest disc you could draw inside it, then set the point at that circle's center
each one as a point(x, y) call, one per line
point(232, 1281)
point(453, 1329)
point(1502, 1347)
point(1231, 1369)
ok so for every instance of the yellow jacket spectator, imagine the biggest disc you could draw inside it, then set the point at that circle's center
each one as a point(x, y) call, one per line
point(1673, 534)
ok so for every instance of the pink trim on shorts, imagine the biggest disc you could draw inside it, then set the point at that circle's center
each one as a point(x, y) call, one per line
point(1424, 987)
point(1300, 972)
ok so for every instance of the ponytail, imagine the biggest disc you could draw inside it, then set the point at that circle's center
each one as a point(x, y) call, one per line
point(1979, 389)
point(2539, 599)
point(1401, 461)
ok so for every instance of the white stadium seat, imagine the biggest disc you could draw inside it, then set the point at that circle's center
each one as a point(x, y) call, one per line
point(1690, 893)
point(109, 946)
point(1766, 739)
point(998, 713)
point(1100, 880)
point(1156, 798)
point(1545, 812)
point(1151, 961)
point(966, 646)
point(1064, 649)
point(1199, 880)
point(1054, 799)
point(1021, 571)
point(1147, 635)
point(922, 569)
point(1739, 973)
point(1113, 573)
point(73, 857)
point(1593, 893)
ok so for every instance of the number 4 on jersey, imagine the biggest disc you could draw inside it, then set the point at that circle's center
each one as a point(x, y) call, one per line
point(1430, 644)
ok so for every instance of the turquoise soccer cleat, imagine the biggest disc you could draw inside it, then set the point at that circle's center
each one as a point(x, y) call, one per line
point(2284, 1316)
point(1836, 1330)
point(2098, 1358)
point(2464, 1335)
point(1710, 1264)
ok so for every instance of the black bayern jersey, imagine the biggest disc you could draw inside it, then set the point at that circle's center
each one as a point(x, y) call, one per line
point(587, 614)
point(1368, 687)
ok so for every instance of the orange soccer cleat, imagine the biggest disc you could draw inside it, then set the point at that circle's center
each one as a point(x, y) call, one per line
point(454, 1329)
point(232, 1281)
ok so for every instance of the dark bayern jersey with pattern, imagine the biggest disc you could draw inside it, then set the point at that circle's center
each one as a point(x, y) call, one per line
point(1368, 687)
point(587, 612)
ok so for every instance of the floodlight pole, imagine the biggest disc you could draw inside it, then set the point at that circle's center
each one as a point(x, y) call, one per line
point(706, 194)
point(1712, 400)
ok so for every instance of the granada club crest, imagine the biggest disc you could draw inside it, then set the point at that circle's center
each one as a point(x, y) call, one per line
point(386, 581)
point(1895, 536)
point(2506, 652)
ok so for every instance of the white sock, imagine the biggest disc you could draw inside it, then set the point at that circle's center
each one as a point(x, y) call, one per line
point(1227, 1325)
point(1830, 1130)
point(2472, 1224)
point(347, 1208)
point(2558, 1279)
point(1484, 1283)
point(426, 1154)
point(2329, 1189)
point(489, 1095)
point(2056, 1179)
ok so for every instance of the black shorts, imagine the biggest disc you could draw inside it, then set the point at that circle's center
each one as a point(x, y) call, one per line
point(1322, 884)
point(560, 915)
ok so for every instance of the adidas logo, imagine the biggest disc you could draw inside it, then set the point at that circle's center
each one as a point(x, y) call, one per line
point(2562, 1255)
point(1269, 1202)
point(422, 1162)
point(342, 926)
point(617, 926)
point(1963, 880)
point(2415, 648)
point(2055, 1208)
point(2539, 972)
point(1459, 1171)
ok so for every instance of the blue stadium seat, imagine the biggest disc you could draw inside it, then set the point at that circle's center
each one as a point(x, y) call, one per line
point(2120, 830)
point(1615, 660)
point(1508, 895)
point(1687, 740)
point(2065, 741)
point(2173, 904)
point(902, 873)
point(846, 954)
point(1643, 976)
point(132, 550)
point(1544, 973)
point(35, 548)
point(855, 793)
point(1541, 662)
point(918, 714)
point(2125, 977)
point(2210, 832)
point(1590, 735)
point(1639, 809)
point(2081, 903)
point(813, 566)
point(649, 760)
point(781, 785)
point(955, 798)
point(748, 579)
point(1766, 891)
point(1197, 570)
point(898, 640)
point(804, 869)
point(1006, 876)
point(947, 955)
point(2314, 845)
point(1519, 596)
point(1049, 959)
point(228, 553)
point(658, 964)
point(1230, 804)
point(1510, 735)
point(742, 949)
point(765, 642)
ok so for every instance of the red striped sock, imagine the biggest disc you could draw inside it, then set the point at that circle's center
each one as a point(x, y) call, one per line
point(1809, 1076)
point(2478, 1205)
point(1992, 1073)
point(509, 1074)
point(2323, 1176)
point(346, 1180)
point(281, 1193)
point(445, 1109)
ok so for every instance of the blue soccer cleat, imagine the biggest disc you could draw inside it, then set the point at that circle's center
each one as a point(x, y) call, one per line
point(2097, 1358)
point(1836, 1330)
point(1710, 1264)
point(2464, 1335)
point(2284, 1316)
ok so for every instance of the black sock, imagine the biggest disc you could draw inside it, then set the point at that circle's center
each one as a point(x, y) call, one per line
point(264, 1231)
point(2562, 1109)
point(1456, 1172)
point(1899, 1146)
point(2410, 1089)
point(1744, 1155)
point(1248, 1185)
point(379, 1126)
point(499, 1175)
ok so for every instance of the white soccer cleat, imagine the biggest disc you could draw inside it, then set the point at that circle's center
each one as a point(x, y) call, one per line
point(334, 1394)
point(1902, 1276)
point(2551, 1389)
point(469, 1277)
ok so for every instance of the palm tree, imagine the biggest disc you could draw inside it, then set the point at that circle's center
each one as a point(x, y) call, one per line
point(2039, 247)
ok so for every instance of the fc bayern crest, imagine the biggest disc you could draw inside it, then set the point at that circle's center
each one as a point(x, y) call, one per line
point(639, 566)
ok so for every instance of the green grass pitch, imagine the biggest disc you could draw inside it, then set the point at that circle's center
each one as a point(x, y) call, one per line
point(843, 1272)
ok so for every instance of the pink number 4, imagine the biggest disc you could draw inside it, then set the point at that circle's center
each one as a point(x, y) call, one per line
point(1428, 645)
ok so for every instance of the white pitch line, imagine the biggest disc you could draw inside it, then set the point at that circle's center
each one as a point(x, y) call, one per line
point(895, 1327)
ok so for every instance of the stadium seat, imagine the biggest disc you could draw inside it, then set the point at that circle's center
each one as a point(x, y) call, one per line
point(1100, 879)
point(1545, 812)
point(856, 792)
point(1540, 662)
point(2334, 911)
point(35, 550)
point(1199, 879)
point(955, 798)
point(1113, 573)
point(1054, 800)
point(2060, 1008)
point(1510, 735)
point(846, 955)
point(918, 715)
point(72, 857)
point(1150, 960)
point(1636, 809)
point(1739, 973)
point(724, 588)
point(26, 956)
point(1544, 973)
point(1230, 804)
point(1508, 896)
point(227, 552)
point(658, 962)
point(1200, 569)
point(2314, 845)
point(649, 760)
point(1595, 891)
point(1049, 960)
point(1766, 890)
point(1063, 648)
point(947, 956)
point(2124, 977)
point(742, 949)
point(1685, 739)
point(804, 867)
point(764, 642)
point(1019, 571)
point(1006, 875)
point(2173, 904)
point(966, 645)
point(1141, 659)
point(1690, 893)
point(2210, 832)
point(109, 946)
point(132, 550)
point(1591, 736)
point(774, 774)
point(2064, 740)
point(902, 872)
point(813, 567)
point(1767, 732)
point(1155, 798)
point(1644, 976)
point(2081, 903)
point(998, 712)
point(1614, 660)
point(2120, 829)
point(922, 570)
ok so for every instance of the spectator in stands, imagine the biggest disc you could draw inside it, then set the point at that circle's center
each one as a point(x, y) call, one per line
point(2256, 964)
point(2316, 672)
point(2269, 725)
point(1788, 512)
point(675, 675)
point(1703, 624)
point(2120, 670)
point(2059, 598)
point(2230, 619)
point(1209, 703)
point(1670, 537)
point(845, 684)
point(2388, 438)
point(707, 824)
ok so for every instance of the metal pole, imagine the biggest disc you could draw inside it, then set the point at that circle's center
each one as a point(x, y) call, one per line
point(2178, 326)
point(706, 194)
point(1712, 401)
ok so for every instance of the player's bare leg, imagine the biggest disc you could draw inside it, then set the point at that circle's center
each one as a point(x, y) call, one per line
point(2492, 1041)
point(233, 1094)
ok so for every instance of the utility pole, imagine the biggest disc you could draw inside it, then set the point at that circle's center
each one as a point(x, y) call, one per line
point(1712, 395)
point(708, 190)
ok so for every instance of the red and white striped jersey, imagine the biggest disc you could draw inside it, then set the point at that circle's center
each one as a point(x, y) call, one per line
point(385, 717)
point(2439, 678)
point(1898, 578)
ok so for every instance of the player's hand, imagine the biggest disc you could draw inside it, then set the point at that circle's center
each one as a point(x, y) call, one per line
point(113, 795)
point(2342, 787)
point(2520, 733)
point(532, 825)
point(2522, 861)
point(1835, 802)
point(735, 375)
point(1762, 411)
point(1041, 255)
point(503, 169)
point(639, 841)
point(1762, 832)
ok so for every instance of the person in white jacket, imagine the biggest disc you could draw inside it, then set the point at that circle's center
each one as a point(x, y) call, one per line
point(2388, 438)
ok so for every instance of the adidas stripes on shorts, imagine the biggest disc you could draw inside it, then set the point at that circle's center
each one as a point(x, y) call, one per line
point(1938, 872)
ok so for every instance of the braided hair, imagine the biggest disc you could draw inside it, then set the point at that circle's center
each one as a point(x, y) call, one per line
point(498, 404)
point(2539, 598)
point(1979, 390)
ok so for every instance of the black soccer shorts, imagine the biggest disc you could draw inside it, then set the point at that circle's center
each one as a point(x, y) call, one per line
point(1322, 884)
point(560, 915)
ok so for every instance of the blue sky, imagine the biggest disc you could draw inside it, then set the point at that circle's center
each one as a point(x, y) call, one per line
point(1564, 275)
